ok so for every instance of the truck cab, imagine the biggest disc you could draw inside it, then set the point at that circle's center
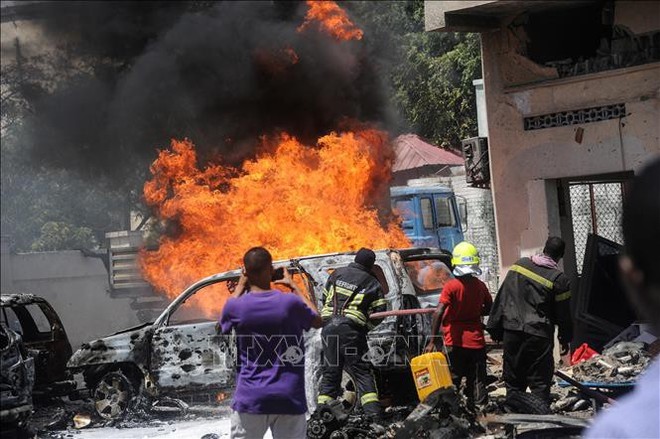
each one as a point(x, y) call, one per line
point(431, 214)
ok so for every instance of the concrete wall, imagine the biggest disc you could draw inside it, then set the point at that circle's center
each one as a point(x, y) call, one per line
point(525, 164)
point(77, 288)
point(481, 226)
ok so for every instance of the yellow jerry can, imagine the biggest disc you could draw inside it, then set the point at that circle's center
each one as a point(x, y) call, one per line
point(430, 372)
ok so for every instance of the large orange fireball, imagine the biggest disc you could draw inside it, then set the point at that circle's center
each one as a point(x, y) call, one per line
point(293, 199)
point(331, 19)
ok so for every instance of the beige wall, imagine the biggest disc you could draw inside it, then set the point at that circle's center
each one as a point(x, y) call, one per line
point(76, 287)
point(434, 11)
point(639, 16)
point(522, 162)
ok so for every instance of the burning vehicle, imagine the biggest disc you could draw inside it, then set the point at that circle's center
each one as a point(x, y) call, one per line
point(44, 338)
point(16, 380)
point(181, 355)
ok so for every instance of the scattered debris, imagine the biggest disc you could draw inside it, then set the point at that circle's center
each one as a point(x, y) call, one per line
point(169, 406)
point(621, 363)
point(534, 426)
point(81, 420)
point(442, 414)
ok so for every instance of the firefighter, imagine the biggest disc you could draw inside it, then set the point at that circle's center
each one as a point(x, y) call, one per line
point(351, 294)
point(463, 302)
point(534, 297)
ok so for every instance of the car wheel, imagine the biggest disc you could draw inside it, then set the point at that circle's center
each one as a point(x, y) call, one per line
point(113, 395)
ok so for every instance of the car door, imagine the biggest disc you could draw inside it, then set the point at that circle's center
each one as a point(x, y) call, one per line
point(44, 337)
point(186, 352)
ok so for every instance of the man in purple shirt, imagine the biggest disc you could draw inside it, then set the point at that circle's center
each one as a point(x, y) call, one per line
point(270, 385)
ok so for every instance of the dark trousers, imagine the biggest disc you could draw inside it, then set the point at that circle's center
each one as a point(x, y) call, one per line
point(344, 347)
point(528, 362)
point(471, 364)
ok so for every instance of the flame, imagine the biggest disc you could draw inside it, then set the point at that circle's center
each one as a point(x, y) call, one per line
point(293, 199)
point(332, 20)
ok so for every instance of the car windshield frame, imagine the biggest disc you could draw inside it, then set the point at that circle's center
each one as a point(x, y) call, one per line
point(419, 290)
point(164, 317)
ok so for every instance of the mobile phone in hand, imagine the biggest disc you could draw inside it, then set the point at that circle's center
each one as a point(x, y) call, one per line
point(278, 274)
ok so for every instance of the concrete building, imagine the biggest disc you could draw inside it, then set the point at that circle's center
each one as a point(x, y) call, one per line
point(572, 93)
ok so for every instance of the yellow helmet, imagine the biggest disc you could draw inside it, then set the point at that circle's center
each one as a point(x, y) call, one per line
point(465, 254)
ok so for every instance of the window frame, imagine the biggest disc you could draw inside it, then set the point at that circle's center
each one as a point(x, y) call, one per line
point(419, 292)
point(423, 216)
point(446, 201)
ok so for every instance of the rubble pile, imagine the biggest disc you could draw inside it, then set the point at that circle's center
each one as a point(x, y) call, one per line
point(621, 363)
point(571, 400)
point(441, 415)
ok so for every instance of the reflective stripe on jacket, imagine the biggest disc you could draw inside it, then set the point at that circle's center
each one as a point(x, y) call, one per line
point(533, 299)
point(368, 297)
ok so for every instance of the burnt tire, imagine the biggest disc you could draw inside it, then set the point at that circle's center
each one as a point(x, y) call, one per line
point(527, 403)
point(114, 394)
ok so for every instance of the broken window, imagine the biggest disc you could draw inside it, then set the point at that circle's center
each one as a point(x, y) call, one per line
point(10, 319)
point(584, 39)
point(202, 306)
point(428, 275)
point(29, 321)
point(446, 217)
point(405, 209)
point(564, 35)
point(427, 213)
point(41, 322)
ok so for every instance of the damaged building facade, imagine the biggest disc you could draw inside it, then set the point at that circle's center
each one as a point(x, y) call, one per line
point(571, 91)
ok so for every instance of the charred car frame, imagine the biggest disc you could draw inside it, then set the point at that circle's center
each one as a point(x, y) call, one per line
point(179, 355)
point(16, 380)
point(44, 338)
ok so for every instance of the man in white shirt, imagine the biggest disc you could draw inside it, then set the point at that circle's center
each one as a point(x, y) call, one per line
point(637, 415)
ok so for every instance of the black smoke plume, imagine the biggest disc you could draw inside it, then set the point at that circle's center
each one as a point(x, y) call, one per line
point(221, 74)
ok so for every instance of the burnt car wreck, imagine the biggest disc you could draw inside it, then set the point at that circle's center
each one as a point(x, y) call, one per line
point(180, 354)
point(16, 380)
point(44, 339)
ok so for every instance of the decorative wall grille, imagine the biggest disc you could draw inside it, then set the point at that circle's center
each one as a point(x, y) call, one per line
point(565, 118)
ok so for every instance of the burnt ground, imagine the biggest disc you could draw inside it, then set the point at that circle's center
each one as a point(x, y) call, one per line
point(57, 419)
point(62, 418)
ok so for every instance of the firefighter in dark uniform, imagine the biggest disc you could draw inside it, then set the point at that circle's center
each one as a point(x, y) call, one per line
point(351, 294)
point(534, 297)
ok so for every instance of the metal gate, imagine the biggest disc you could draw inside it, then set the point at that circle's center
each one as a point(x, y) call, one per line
point(596, 207)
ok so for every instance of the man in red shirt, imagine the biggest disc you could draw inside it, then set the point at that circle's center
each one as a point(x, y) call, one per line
point(463, 301)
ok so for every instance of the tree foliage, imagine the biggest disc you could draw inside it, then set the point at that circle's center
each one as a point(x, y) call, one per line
point(40, 204)
point(61, 235)
point(430, 74)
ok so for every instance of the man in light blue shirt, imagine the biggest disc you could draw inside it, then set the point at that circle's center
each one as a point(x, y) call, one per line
point(637, 415)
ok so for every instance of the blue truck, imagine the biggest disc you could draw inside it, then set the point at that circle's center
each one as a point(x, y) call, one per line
point(431, 214)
